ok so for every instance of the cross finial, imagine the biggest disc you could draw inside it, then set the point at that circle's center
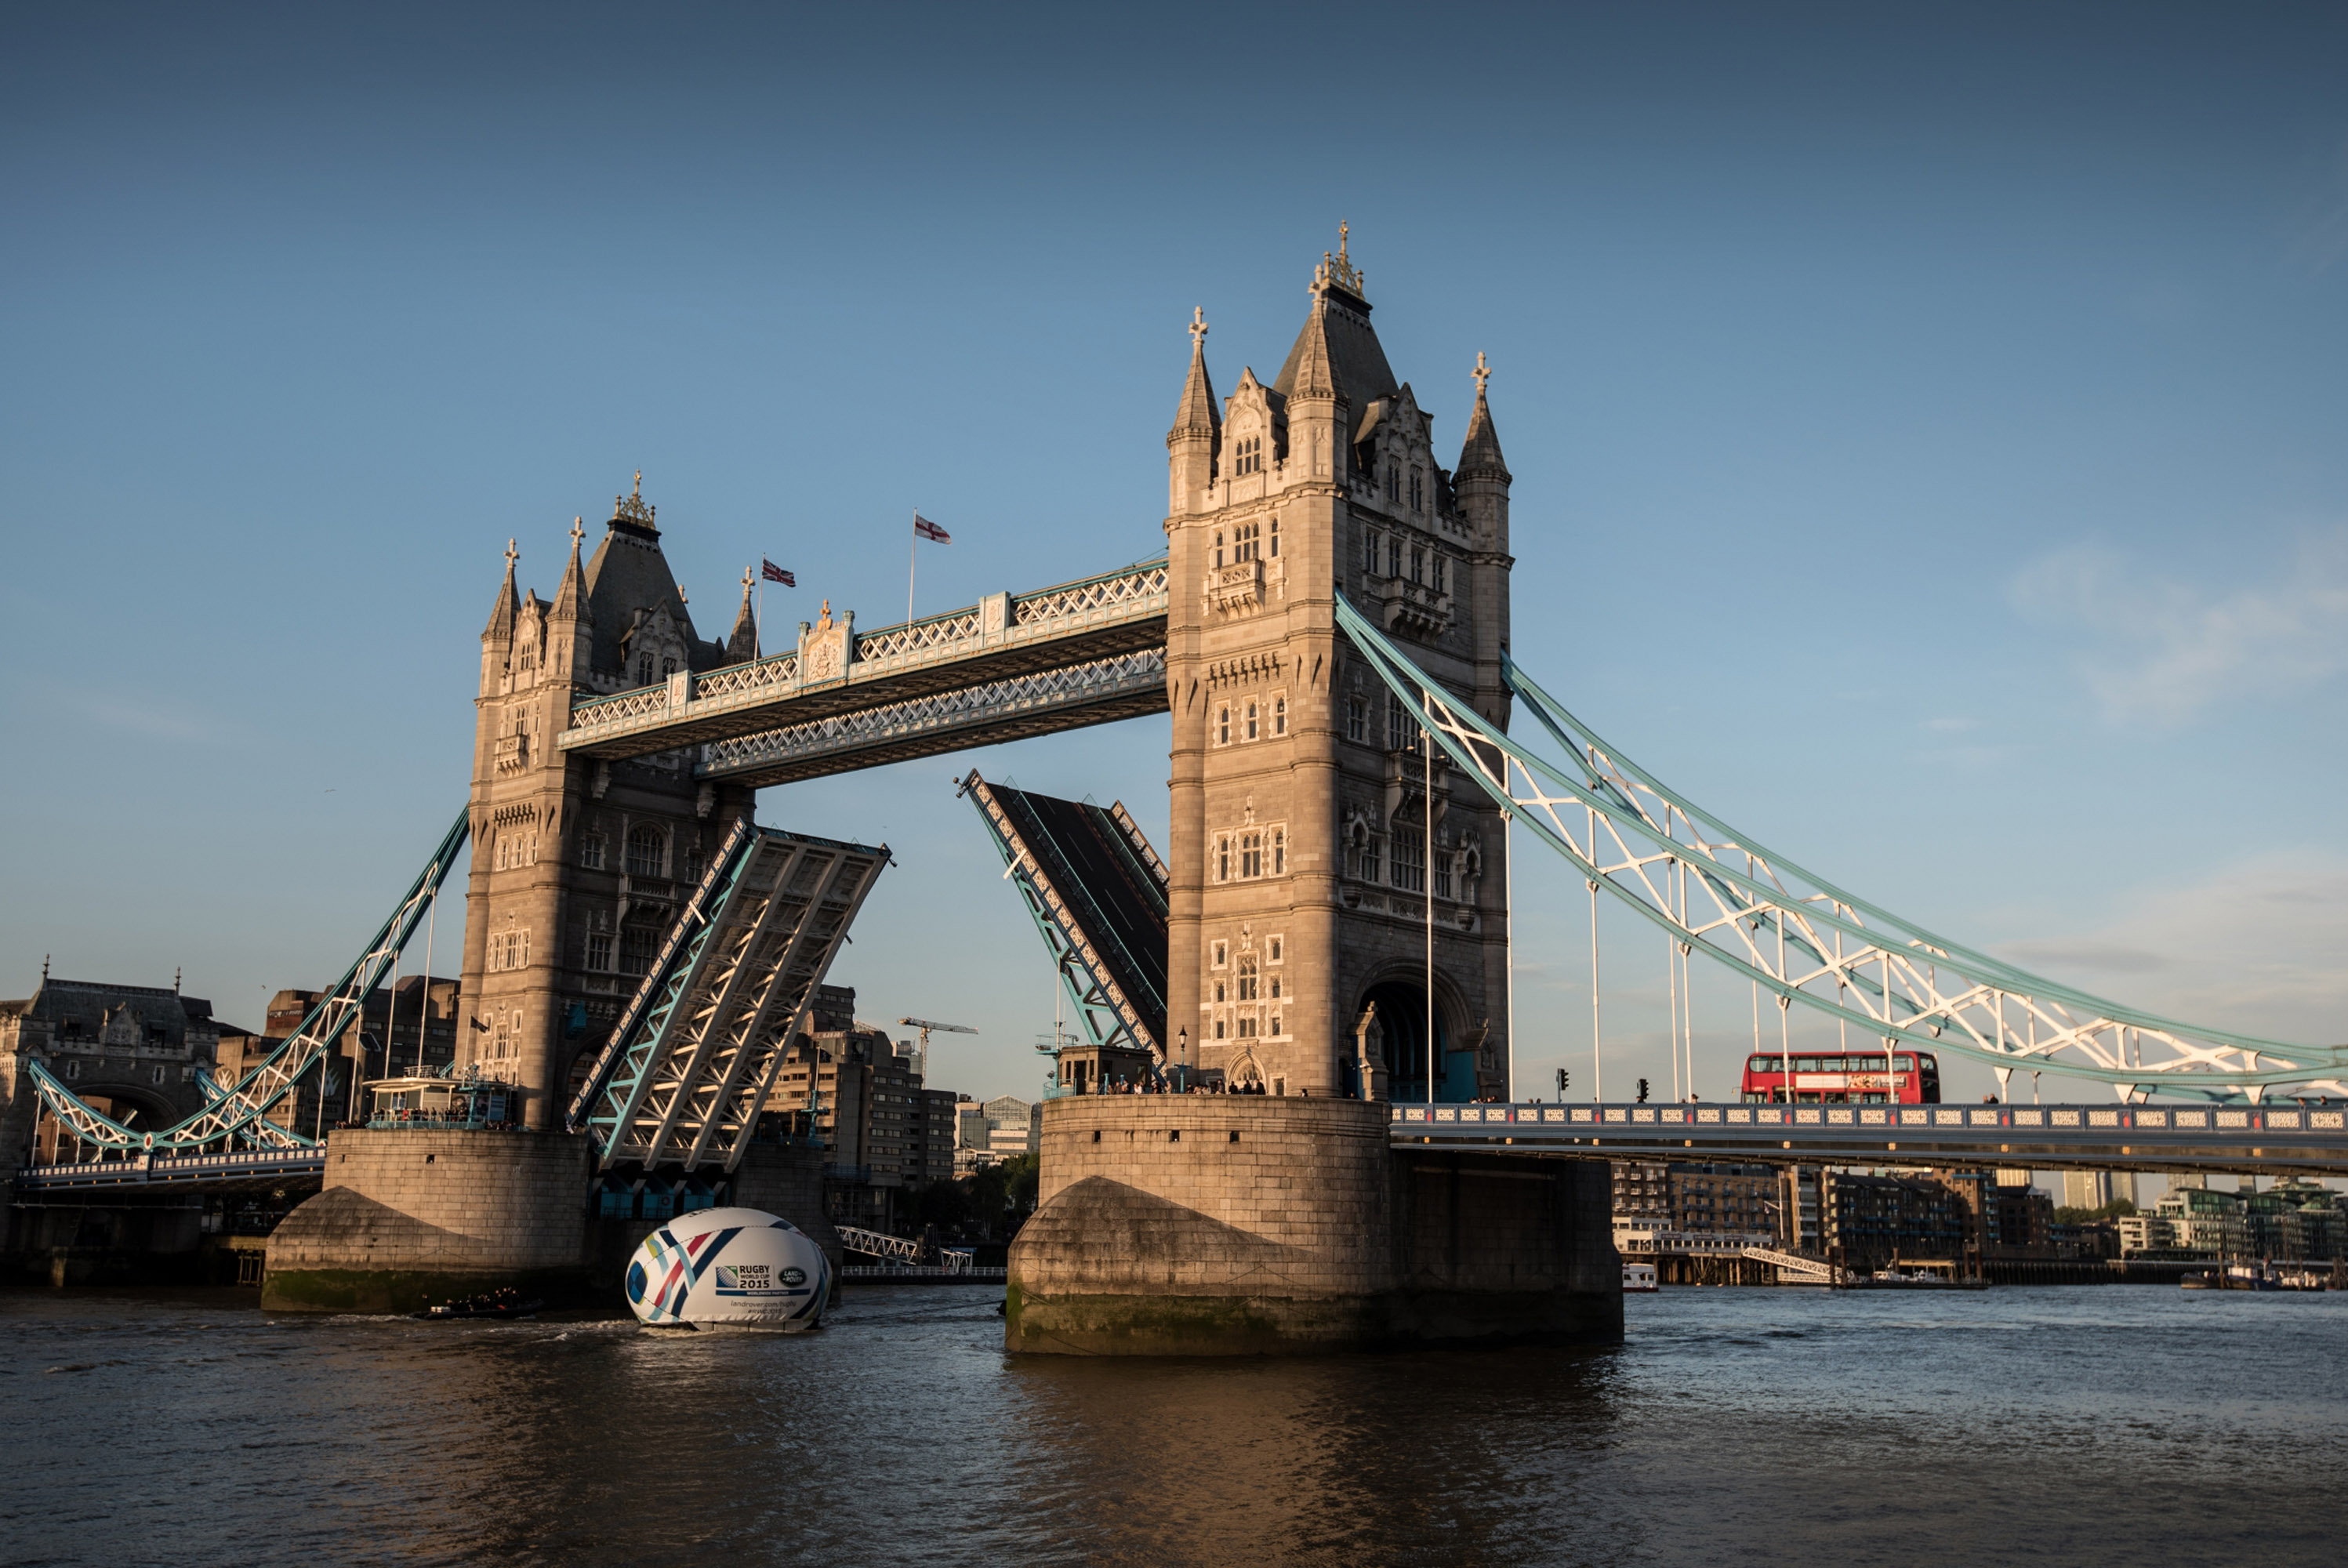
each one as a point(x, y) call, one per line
point(1197, 327)
point(512, 555)
point(749, 577)
point(639, 483)
point(1343, 229)
point(1482, 373)
point(577, 531)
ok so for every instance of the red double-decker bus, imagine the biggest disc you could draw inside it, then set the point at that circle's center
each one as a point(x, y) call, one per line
point(1844, 1078)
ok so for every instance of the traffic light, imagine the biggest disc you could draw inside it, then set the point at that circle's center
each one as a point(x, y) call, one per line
point(1642, 1091)
point(1564, 1081)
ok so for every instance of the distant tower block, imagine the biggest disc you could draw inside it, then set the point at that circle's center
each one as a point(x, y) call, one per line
point(1302, 867)
point(579, 866)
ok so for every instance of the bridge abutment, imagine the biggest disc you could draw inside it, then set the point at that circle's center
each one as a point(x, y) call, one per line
point(1236, 1225)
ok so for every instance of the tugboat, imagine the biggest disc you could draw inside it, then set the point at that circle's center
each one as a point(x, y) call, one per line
point(503, 1304)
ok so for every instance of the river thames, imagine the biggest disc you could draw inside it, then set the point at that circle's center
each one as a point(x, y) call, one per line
point(2090, 1425)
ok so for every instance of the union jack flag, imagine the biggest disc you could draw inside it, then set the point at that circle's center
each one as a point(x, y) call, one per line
point(774, 574)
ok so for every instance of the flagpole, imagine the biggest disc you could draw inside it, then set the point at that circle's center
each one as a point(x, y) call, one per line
point(758, 621)
point(912, 553)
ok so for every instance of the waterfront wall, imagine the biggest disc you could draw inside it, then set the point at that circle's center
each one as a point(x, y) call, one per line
point(1196, 1224)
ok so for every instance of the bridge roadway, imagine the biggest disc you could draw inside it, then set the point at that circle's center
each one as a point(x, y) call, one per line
point(2251, 1139)
point(1011, 665)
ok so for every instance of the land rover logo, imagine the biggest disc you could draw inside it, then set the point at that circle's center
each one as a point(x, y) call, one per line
point(794, 1276)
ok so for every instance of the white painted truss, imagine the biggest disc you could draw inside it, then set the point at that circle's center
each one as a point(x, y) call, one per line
point(1805, 940)
point(238, 1116)
point(690, 1074)
point(944, 720)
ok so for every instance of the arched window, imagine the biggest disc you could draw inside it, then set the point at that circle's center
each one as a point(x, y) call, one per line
point(1222, 727)
point(1418, 492)
point(1222, 859)
point(1275, 539)
point(1219, 550)
point(1369, 551)
point(1279, 855)
point(648, 851)
point(1250, 721)
point(1393, 555)
point(1247, 976)
point(1394, 482)
point(1417, 563)
point(643, 669)
point(1280, 715)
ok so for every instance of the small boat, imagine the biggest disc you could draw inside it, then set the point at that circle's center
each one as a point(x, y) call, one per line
point(1639, 1279)
point(2196, 1282)
point(498, 1304)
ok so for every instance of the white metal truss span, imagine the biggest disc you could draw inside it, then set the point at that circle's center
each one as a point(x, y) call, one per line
point(1097, 691)
point(1805, 940)
point(1002, 637)
point(240, 1115)
point(693, 1069)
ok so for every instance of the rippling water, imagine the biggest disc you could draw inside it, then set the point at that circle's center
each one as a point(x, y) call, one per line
point(2114, 1424)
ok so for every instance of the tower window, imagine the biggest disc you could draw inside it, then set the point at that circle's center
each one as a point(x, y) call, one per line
point(1418, 491)
point(1250, 721)
point(1222, 727)
point(1251, 859)
point(1222, 859)
point(1248, 456)
point(1417, 563)
point(648, 851)
point(1275, 539)
point(1357, 719)
point(1393, 555)
point(1369, 551)
point(1443, 874)
point(1440, 574)
point(1279, 852)
point(1394, 482)
point(590, 851)
point(1219, 550)
point(643, 669)
point(1280, 715)
point(1408, 871)
point(1247, 977)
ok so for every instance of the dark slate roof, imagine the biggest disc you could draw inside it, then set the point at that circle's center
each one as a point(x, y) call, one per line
point(1337, 351)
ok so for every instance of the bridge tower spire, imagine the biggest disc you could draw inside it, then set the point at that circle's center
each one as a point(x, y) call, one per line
point(1300, 864)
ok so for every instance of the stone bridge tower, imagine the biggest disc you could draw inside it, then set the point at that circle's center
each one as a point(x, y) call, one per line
point(1304, 870)
point(579, 866)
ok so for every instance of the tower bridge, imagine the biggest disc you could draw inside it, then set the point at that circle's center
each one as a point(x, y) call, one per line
point(1329, 630)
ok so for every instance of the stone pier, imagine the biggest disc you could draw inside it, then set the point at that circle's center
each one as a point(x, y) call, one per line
point(1229, 1224)
point(409, 1218)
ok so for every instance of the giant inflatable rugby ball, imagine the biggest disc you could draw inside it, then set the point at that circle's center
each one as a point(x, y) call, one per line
point(737, 1267)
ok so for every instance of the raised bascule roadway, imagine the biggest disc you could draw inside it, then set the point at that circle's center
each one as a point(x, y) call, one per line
point(1351, 770)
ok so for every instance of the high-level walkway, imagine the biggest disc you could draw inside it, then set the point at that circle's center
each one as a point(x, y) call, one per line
point(1009, 667)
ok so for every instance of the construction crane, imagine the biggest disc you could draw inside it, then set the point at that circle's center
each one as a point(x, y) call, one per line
point(922, 1060)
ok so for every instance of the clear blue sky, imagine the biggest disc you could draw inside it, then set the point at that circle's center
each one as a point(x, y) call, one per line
point(1928, 430)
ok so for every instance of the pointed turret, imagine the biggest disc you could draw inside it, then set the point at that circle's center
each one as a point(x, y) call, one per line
point(1199, 414)
point(509, 605)
point(742, 646)
point(1479, 453)
point(571, 599)
point(1194, 443)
